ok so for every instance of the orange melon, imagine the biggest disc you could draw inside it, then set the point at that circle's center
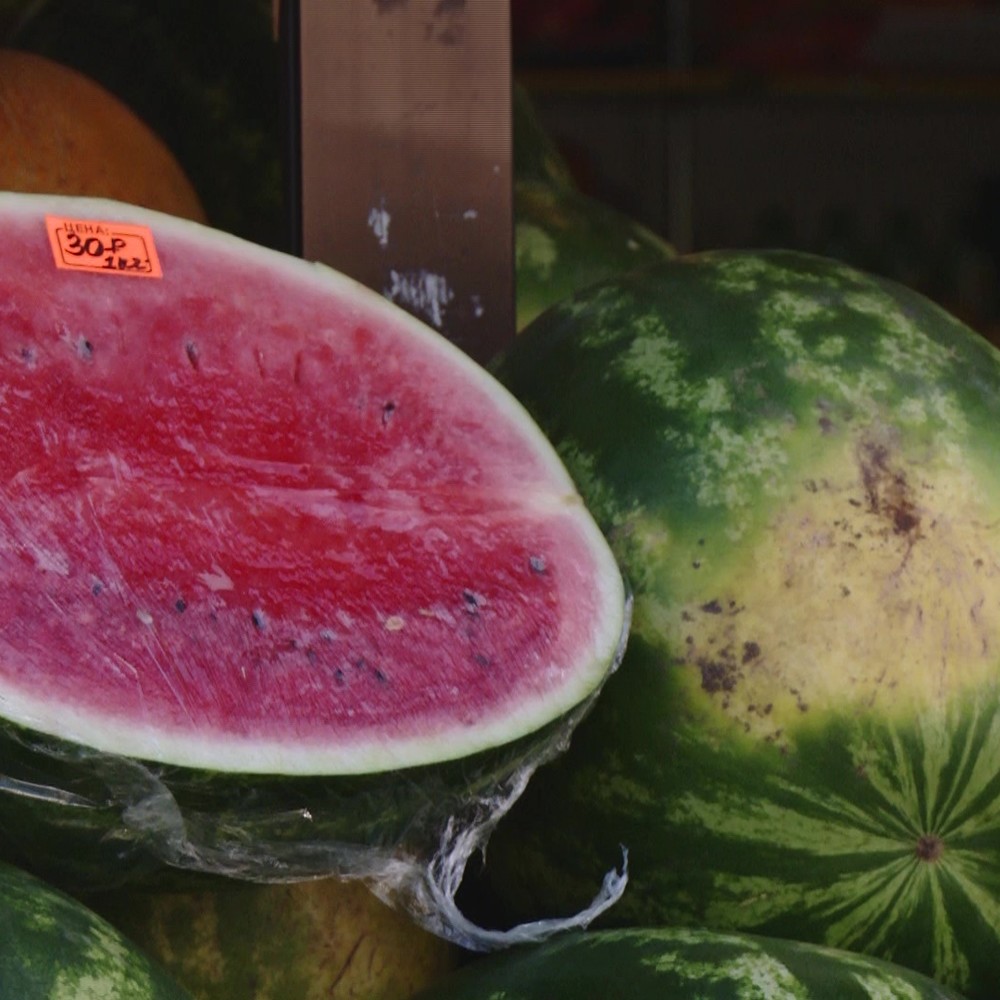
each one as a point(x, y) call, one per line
point(62, 132)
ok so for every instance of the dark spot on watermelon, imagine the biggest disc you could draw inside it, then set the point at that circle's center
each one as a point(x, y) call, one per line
point(929, 847)
point(312, 656)
point(712, 607)
point(28, 356)
point(537, 564)
point(886, 489)
point(717, 675)
point(338, 676)
point(259, 620)
point(483, 660)
point(473, 601)
point(380, 676)
point(96, 588)
point(85, 349)
point(388, 409)
point(297, 369)
point(751, 651)
point(191, 350)
point(180, 605)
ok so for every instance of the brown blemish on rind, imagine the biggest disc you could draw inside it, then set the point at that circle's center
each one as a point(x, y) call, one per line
point(887, 490)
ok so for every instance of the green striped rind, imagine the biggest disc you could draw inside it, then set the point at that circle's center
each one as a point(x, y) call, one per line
point(683, 965)
point(318, 940)
point(566, 241)
point(795, 464)
point(53, 948)
point(536, 156)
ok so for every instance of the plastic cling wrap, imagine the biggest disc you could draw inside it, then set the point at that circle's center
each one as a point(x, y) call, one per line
point(90, 820)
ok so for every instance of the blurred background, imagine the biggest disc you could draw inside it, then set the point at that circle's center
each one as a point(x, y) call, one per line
point(864, 130)
point(861, 129)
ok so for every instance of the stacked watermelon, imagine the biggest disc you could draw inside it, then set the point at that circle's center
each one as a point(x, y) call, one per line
point(565, 239)
point(795, 465)
point(679, 964)
point(54, 947)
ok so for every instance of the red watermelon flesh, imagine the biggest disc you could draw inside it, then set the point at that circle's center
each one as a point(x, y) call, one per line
point(255, 518)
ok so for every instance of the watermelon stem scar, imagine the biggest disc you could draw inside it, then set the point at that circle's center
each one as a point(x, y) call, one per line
point(930, 847)
point(287, 581)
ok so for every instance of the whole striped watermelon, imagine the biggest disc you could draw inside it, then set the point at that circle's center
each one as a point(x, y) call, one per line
point(796, 464)
point(537, 158)
point(679, 964)
point(54, 948)
point(564, 239)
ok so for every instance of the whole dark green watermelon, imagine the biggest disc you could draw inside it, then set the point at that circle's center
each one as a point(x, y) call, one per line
point(796, 464)
point(52, 947)
point(679, 964)
point(564, 238)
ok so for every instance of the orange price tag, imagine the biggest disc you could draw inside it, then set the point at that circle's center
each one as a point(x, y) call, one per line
point(106, 247)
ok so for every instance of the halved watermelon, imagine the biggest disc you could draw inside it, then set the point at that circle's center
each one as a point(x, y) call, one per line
point(260, 529)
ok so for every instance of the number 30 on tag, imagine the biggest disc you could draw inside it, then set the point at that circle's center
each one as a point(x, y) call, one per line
point(105, 247)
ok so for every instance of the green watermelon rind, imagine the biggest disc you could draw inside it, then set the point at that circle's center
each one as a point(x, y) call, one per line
point(54, 947)
point(683, 964)
point(565, 241)
point(536, 156)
